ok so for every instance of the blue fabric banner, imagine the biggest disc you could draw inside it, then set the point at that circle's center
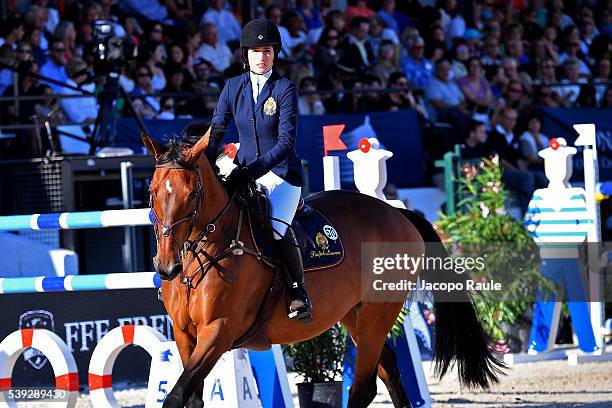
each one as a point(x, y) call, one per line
point(558, 122)
point(398, 132)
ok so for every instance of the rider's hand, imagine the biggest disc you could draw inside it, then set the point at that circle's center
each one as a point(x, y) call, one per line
point(238, 178)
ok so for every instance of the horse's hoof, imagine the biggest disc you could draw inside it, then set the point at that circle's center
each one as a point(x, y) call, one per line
point(172, 401)
point(195, 404)
point(195, 401)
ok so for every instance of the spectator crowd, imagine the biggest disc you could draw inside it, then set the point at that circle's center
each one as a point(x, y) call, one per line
point(467, 63)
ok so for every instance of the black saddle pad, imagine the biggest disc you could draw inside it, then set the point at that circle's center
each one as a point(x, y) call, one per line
point(320, 243)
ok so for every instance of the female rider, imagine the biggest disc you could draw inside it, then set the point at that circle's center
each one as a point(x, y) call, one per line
point(264, 106)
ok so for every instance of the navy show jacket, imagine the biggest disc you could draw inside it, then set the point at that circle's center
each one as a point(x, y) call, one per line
point(267, 129)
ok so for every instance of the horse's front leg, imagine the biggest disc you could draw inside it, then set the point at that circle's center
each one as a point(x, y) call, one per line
point(186, 344)
point(212, 342)
point(196, 400)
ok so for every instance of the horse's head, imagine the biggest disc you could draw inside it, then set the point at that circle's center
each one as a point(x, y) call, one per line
point(176, 198)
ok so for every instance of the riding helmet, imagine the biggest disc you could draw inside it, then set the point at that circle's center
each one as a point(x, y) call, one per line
point(260, 33)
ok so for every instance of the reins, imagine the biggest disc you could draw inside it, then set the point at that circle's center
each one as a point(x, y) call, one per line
point(196, 246)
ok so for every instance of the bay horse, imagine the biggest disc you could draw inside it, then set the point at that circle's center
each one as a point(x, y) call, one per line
point(191, 207)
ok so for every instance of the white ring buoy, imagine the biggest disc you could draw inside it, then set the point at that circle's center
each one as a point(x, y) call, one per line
point(56, 351)
point(104, 355)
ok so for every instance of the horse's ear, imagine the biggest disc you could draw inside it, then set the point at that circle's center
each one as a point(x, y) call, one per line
point(154, 148)
point(194, 153)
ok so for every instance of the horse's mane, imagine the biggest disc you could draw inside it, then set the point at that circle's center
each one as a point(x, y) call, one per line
point(177, 145)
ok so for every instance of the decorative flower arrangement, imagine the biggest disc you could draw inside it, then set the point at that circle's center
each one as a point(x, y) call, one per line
point(483, 226)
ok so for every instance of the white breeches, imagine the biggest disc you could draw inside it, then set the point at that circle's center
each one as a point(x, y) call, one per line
point(284, 199)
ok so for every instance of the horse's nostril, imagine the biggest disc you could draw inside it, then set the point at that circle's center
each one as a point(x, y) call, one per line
point(175, 269)
point(158, 268)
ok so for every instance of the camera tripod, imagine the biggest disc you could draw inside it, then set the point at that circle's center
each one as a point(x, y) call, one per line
point(104, 128)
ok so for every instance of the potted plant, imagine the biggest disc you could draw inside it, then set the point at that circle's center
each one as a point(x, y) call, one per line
point(319, 362)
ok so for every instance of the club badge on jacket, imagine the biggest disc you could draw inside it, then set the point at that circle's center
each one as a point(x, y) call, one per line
point(269, 107)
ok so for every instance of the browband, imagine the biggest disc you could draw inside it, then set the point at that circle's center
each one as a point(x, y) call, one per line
point(171, 165)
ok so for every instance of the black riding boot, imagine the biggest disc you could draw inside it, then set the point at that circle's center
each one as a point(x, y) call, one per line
point(298, 302)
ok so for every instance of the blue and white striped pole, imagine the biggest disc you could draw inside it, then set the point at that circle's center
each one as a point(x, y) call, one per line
point(75, 220)
point(76, 283)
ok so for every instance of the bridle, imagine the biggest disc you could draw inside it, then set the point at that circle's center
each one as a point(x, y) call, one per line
point(168, 230)
point(196, 245)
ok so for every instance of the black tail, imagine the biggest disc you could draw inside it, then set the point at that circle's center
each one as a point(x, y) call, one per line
point(460, 337)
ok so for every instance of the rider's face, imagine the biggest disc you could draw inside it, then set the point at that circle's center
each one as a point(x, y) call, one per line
point(261, 59)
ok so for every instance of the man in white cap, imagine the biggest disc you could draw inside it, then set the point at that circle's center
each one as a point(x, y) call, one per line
point(558, 219)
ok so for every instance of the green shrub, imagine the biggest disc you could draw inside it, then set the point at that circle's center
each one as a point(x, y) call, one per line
point(320, 358)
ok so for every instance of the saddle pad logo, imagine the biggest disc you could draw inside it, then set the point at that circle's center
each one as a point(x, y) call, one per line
point(322, 241)
point(330, 232)
point(39, 319)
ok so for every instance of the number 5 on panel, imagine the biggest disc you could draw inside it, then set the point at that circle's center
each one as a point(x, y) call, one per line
point(163, 391)
point(166, 367)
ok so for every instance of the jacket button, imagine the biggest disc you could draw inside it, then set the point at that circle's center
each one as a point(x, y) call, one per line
point(252, 120)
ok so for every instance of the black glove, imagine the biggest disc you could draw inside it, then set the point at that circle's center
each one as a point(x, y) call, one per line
point(238, 178)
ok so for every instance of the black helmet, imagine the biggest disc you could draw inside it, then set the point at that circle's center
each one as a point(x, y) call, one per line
point(259, 33)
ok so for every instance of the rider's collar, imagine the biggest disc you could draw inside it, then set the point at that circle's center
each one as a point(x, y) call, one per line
point(260, 77)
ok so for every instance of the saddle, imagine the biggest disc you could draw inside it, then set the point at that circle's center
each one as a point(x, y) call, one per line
point(321, 248)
